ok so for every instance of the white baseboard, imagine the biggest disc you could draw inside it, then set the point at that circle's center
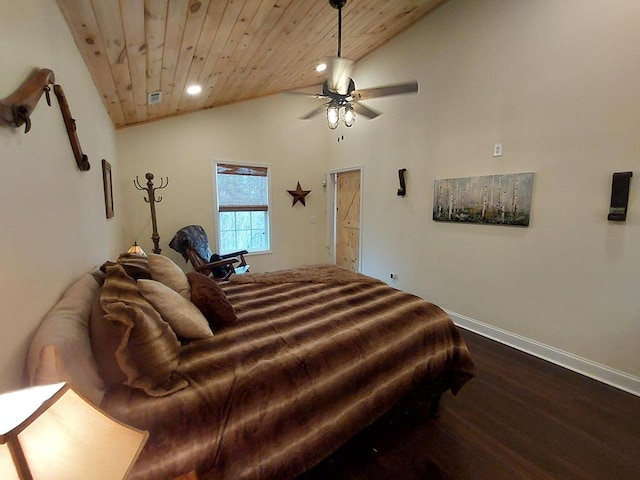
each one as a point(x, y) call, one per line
point(602, 373)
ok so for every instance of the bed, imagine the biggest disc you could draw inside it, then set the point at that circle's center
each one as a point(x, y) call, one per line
point(298, 361)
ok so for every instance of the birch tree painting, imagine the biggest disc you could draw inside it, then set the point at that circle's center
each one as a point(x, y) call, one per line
point(491, 199)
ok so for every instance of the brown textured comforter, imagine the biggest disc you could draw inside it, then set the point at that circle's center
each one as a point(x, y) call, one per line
point(311, 363)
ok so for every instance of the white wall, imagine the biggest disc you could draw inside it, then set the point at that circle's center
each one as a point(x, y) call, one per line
point(557, 84)
point(185, 148)
point(53, 221)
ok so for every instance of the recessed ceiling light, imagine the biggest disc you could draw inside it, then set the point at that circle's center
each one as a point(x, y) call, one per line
point(321, 67)
point(194, 89)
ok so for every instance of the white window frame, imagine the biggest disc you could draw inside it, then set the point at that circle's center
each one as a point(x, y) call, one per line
point(217, 206)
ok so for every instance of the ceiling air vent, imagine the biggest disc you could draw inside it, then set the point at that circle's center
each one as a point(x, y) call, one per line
point(154, 98)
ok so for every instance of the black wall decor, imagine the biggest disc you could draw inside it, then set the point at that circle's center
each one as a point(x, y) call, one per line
point(619, 196)
point(402, 191)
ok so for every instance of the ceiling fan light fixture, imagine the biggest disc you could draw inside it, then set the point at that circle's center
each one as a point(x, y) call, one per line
point(333, 116)
point(349, 115)
point(339, 89)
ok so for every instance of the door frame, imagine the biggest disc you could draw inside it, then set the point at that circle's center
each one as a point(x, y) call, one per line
point(332, 198)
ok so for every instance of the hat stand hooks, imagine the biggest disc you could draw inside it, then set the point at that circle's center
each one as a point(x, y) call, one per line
point(152, 200)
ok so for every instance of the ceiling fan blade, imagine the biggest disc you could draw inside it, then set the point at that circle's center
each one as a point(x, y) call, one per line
point(315, 111)
point(398, 89)
point(339, 74)
point(365, 111)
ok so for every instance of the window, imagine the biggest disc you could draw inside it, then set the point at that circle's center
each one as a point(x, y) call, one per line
point(243, 208)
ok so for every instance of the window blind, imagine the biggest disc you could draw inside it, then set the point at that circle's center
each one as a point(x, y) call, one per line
point(242, 188)
point(229, 169)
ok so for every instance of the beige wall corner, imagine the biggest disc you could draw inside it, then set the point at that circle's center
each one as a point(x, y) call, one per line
point(53, 215)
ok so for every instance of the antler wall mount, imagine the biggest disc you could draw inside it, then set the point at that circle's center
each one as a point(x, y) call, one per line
point(16, 109)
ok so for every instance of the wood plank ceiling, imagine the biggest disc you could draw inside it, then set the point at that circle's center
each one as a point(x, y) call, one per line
point(234, 49)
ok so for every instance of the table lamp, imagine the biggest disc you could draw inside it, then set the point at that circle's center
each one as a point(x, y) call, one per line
point(137, 249)
point(51, 432)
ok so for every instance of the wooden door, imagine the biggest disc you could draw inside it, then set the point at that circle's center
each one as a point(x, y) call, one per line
point(347, 220)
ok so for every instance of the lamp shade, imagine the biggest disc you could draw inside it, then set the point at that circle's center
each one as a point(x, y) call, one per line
point(137, 249)
point(51, 432)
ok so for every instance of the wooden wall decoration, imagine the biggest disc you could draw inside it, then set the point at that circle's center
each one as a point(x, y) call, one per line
point(70, 123)
point(107, 182)
point(16, 109)
point(299, 195)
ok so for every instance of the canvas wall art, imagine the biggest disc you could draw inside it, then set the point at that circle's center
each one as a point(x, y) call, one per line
point(490, 199)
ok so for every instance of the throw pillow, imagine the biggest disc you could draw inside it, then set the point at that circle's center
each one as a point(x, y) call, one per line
point(183, 316)
point(146, 349)
point(105, 339)
point(136, 265)
point(207, 295)
point(60, 350)
point(165, 270)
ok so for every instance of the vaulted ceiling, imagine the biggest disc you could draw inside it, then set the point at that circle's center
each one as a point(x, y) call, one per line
point(234, 49)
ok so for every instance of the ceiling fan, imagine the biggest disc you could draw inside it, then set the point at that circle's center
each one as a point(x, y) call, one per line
point(340, 89)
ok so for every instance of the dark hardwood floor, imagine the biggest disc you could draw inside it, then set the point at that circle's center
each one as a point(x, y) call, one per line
point(521, 418)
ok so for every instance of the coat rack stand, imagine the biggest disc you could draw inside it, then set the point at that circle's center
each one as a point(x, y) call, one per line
point(152, 200)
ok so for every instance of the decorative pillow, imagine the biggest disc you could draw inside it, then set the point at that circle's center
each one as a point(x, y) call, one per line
point(136, 266)
point(145, 348)
point(165, 270)
point(60, 350)
point(105, 340)
point(183, 316)
point(207, 295)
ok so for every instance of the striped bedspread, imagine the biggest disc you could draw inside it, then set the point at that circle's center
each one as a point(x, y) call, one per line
point(311, 363)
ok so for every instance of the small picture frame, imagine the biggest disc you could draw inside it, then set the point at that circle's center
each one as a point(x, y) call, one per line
point(108, 188)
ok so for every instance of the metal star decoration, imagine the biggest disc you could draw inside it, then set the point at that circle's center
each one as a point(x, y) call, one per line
point(298, 195)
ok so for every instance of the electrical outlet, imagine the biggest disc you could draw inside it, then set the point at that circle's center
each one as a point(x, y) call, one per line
point(497, 149)
point(393, 276)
